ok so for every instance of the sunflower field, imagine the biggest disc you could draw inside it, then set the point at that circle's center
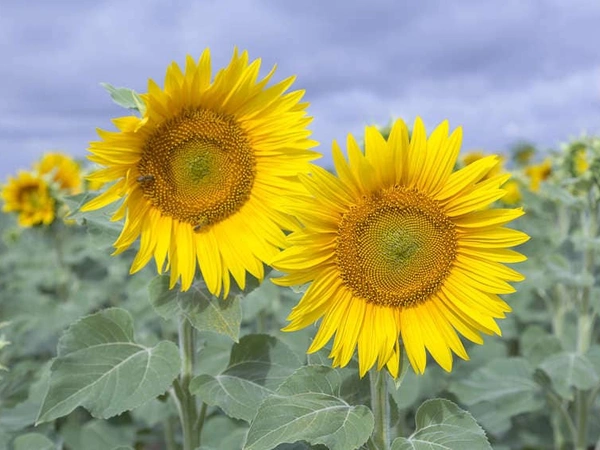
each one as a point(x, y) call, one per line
point(200, 282)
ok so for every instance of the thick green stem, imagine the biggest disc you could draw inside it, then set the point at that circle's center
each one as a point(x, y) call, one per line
point(169, 434)
point(559, 440)
point(560, 308)
point(188, 412)
point(381, 409)
point(582, 419)
point(200, 422)
point(560, 407)
point(585, 318)
point(62, 285)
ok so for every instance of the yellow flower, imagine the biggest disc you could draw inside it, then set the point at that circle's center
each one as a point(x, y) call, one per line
point(523, 154)
point(538, 173)
point(513, 193)
point(28, 195)
point(580, 162)
point(205, 171)
point(399, 246)
point(63, 170)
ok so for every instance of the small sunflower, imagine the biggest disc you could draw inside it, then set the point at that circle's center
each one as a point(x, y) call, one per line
point(513, 194)
point(538, 173)
point(204, 171)
point(63, 170)
point(579, 159)
point(399, 246)
point(29, 196)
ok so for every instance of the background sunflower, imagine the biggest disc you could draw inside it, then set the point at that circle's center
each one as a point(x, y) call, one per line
point(28, 195)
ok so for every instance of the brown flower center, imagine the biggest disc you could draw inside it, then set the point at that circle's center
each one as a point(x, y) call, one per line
point(395, 248)
point(198, 167)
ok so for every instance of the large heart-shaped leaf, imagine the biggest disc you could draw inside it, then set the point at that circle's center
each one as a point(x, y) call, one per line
point(100, 367)
point(442, 425)
point(569, 370)
point(307, 407)
point(257, 366)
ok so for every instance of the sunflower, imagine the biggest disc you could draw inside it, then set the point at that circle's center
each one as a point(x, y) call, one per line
point(538, 173)
point(203, 173)
point(399, 246)
point(579, 159)
point(513, 193)
point(63, 170)
point(28, 195)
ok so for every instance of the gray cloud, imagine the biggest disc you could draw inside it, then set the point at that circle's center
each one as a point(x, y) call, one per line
point(504, 70)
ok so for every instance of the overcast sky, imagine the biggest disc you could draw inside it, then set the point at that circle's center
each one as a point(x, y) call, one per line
point(504, 70)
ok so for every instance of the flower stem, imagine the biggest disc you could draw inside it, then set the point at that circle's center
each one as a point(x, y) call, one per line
point(561, 408)
point(188, 412)
point(381, 409)
point(169, 434)
point(200, 421)
point(585, 319)
point(582, 419)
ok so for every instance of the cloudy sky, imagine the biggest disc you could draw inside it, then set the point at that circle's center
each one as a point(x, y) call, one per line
point(504, 70)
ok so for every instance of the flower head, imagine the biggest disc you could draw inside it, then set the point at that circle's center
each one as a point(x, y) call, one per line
point(513, 193)
point(203, 173)
point(29, 196)
point(399, 246)
point(62, 170)
point(538, 173)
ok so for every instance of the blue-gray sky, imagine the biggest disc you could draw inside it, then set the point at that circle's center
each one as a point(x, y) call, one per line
point(504, 70)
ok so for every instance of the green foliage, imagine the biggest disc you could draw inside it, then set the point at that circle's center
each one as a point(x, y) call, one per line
point(568, 370)
point(31, 441)
point(100, 367)
point(307, 407)
point(95, 357)
point(442, 425)
point(125, 97)
point(204, 311)
point(257, 366)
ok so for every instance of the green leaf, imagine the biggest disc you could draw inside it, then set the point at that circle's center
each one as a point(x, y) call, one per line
point(101, 229)
point(506, 380)
point(100, 435)
point(213, 354)
point(408, 392)
point(442, 425)
point(593, 355)
point(307, 407)
point(96, 435)
point(125, 97)
point(499, 390)
point(570, 370)
point(257, 366)
point(33, 441)
point(537, 344)
point(204, 311)
point(153, 412)
point(23, 414)
point(220, 431)
point(100, 367)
